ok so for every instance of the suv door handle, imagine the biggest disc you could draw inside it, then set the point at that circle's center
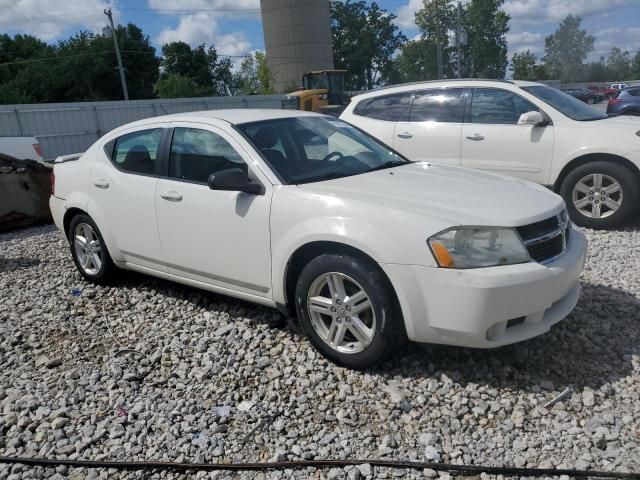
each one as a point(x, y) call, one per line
point(101, 183)
point(405, 135)
point(172, 196)
point(476, 137)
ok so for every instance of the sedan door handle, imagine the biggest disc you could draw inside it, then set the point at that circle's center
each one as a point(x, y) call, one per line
point(405, 135)
point(101, 183)
point(476, 137)
point(172, 196)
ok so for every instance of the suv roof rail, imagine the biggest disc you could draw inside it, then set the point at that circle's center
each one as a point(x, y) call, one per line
point(419, 82)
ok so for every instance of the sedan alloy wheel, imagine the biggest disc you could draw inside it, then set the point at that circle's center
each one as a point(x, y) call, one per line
point(341, 312)
point(88, 248)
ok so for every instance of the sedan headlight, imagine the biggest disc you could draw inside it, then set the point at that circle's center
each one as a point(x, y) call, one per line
point(475, 247)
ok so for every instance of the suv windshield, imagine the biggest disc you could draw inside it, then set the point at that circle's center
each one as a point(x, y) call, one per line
point(312, 149)
point(570, 106)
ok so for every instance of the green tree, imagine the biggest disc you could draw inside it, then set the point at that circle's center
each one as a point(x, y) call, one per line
point(436, 22)
point(365, 39)
point(26, 76)
point(619, 64)
point(566, 49)
point(141, 66)
point(486, 26)
point(88, 69)
point(82, 67)
point(525, 66)
point(253, 76)
point(597, 71)
point(415, 62)
point(177, 86)
point(635, 66)
point(200, 64)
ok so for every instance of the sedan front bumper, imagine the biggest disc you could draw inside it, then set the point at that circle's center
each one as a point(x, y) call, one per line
point(488, 307)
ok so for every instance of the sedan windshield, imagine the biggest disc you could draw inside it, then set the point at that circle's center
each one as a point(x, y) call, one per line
point(312, 149)
point(570, 106)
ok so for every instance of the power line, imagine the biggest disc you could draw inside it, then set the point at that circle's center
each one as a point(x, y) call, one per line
point(74, 15)
point(45, 59)
point(90, 13)
point(142, 52)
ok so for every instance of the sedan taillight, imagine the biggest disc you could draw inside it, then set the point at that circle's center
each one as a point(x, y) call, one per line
point(53, 183)
point(613, 101)
point(36, 147)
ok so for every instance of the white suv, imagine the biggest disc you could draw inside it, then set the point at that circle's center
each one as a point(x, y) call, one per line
point(306, 213)
point(522, 129)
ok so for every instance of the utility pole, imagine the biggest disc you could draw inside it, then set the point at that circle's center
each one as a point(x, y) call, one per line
point(438, 48)
point(458, 28)
point(107, 12)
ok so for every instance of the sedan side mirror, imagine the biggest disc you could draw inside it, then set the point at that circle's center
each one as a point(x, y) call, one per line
point(235, 180)
point(533, 118)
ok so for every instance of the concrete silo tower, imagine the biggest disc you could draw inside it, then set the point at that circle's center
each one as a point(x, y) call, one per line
point(297, 38)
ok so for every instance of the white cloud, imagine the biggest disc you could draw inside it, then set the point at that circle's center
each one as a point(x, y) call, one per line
point(37, 17)
point(523, 41)
point(226, 7)
point(406, 14)
point(202, 27)
point(625, 38)
point(537, 12)
point(193, 29)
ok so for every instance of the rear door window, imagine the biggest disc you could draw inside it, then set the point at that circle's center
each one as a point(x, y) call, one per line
point(438, 105)
point(392, 108)
point(137, 152)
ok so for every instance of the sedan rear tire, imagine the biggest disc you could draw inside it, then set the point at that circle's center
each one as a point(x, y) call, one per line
point(348, 310)
point(89, 251)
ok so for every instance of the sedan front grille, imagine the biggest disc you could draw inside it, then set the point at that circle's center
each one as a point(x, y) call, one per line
point(547, 239)
point(546, 249)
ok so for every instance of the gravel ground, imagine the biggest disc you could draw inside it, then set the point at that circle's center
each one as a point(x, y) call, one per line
point(207, 370)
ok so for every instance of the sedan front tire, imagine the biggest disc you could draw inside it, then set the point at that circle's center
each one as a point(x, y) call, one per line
point(348, 310)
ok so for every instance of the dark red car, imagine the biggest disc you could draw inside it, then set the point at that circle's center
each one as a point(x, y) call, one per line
point(606, 92)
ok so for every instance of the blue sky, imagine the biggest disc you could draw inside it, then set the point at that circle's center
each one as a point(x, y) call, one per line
point(234, 26)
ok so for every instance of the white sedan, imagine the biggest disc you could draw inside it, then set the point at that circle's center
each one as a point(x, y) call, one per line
point(308, 214)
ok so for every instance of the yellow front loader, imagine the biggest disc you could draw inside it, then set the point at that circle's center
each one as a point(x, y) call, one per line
point(322, 91)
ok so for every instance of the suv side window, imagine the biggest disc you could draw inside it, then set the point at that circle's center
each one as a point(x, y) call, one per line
point(492, 105)
point(196, 154)
point(392, 108)
point(137, 152)
point(438, 105)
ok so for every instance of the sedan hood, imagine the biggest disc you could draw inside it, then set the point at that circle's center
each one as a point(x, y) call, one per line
point(453, 195)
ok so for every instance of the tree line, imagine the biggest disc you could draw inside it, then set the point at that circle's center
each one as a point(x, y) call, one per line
point(565, 51)
point(84, 68)
point(371, 48)
point(366, 42)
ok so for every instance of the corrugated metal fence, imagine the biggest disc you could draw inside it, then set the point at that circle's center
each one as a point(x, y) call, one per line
point(64, 128)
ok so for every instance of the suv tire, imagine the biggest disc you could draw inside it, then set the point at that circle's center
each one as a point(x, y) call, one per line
point(601, 194)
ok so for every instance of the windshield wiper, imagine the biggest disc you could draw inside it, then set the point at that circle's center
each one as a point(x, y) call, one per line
point(385, 165)
point(324, 176)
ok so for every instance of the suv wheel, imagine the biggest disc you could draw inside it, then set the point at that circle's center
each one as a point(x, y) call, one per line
point(601, 194)
point(348, 311)
point(89, 251)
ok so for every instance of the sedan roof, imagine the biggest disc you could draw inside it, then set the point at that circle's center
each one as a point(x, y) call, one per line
point(234, 116)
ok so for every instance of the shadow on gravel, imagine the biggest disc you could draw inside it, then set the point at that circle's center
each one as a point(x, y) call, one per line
point(203, 298)
point(591, 347)
point(17, 263)
point(26, 231)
